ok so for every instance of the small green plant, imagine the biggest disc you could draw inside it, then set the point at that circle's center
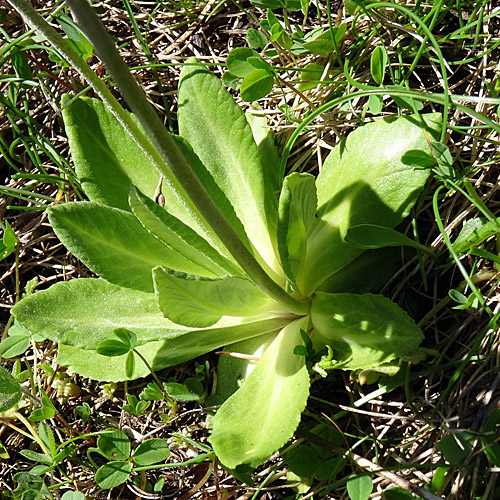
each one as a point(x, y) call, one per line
point(238, 255)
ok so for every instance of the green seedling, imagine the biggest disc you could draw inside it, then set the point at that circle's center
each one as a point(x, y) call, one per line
point(116, 447)
point(238, 254)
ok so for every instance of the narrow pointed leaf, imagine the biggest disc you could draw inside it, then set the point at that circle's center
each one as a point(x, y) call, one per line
point(359, 185)
point(179, 237)
point(85, 312)
point(364, 330)
point(371, 236)
point(114, 244)
point(216, 128)
point(262, 416)
point(200, 302)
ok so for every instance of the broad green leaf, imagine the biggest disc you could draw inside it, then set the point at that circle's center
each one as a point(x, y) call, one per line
point(216, 128)
point(10, 390)
point(378, 64)
point(256, 39)
point(106, 158)
point(238, 360)
point(310, 76)
point(107, 161)
point(256, 85)
point(237, 63)
point(370, 236)
point(368, 273)
point(364, 331)
point(216, 193)
point(114, 244)
point(179, 237)
point(456, 446)
point(364, 181)
point(73, 495)
point(323, 45)
point(474, 232)
point(264, 138)
point(15, 344)
point(359, 487)
point(113, 474)
point(84, 312)
point(112, 347)
point(162, 354)
point(375, 103)
point(262, 416)
point(398, 494)
point(200, 302)
point(297, 207)
point(151, 451)
point(114, 445)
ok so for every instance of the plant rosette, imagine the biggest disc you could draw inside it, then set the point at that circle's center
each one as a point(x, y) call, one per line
point(168, 280)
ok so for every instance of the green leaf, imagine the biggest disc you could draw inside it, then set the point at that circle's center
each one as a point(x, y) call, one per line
point(130, 364)
point(263, 137)
point(162, 354)
point(256, 85)
point(359, 487)
point(114, 244)
point(73, 495)
point(233, 369)
point(372, 236)
point(112, 347)
point(47, 411)
point(113, 474)
point(151, 451)
point(152, 392)
point(84, 312)
point(216, 128)
point(106, 158)
point(16, 343)
point(364, 185)
point(76, 37)
point(375, 103)
point(10, 390)
point(297, 207)
point(200, 302)
point(262, 416)
point(323, 45)
point(179, 237)
point(378, 64)
point(311, 76)
point(128, 337)
point(237, 62)
point(36, 457)
point(47, 436)
point(9, 240)
point(474, 232)
point(114, 445)
point(256, 39)
point(181, 392)
point(364, 331)
point(456, 446)
point(397, 494)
